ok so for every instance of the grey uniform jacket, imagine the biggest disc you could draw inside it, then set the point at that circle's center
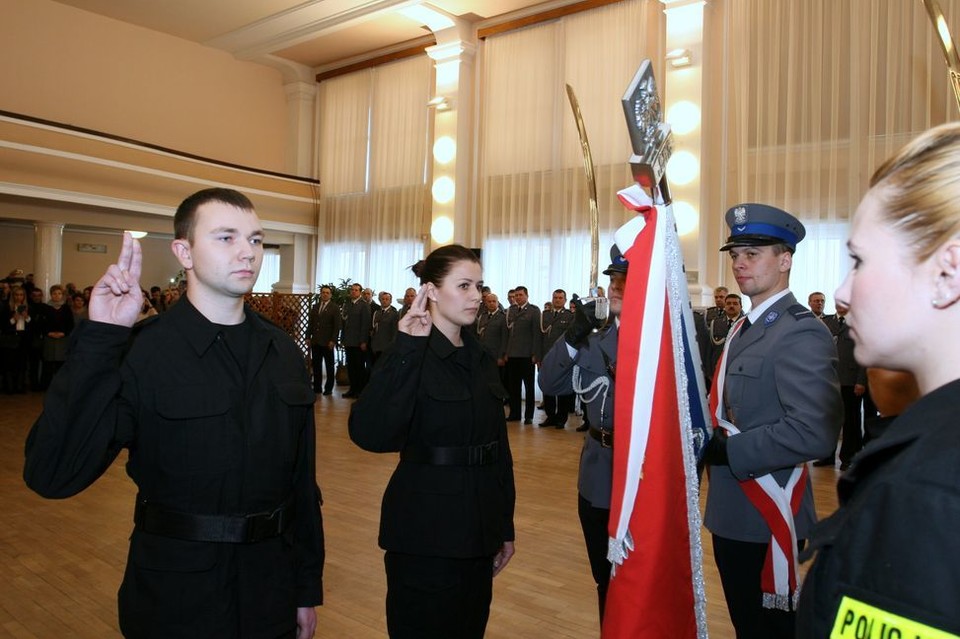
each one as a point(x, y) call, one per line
point(782, 393)
point(524, 338)
point(384, 328)
point(356, 323)
point(595, 359)
point(553, 325)
point(491, 330)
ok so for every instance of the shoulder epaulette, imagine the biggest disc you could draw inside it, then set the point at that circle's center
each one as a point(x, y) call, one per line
point(799, 311)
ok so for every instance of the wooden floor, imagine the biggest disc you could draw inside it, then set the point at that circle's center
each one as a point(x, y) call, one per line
point(61, 561)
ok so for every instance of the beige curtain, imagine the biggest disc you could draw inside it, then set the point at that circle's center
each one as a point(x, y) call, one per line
point(533, 203)
point(811, 97)
point(373, 150)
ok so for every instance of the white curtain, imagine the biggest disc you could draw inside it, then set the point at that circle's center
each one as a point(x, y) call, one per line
point(373, 154)
point(533, 205)
point(814, 95)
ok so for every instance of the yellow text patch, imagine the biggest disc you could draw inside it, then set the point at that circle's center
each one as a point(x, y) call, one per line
point(857, 620)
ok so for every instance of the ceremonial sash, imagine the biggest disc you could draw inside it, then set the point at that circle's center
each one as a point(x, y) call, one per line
point(777, 505)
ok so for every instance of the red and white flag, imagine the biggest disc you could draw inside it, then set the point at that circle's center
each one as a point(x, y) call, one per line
point(659, 421)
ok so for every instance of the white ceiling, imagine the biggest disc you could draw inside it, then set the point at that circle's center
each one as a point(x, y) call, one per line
point(317, 34)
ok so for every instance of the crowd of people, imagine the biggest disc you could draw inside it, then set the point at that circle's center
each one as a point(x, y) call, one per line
point(35, 326)
point(217, 414)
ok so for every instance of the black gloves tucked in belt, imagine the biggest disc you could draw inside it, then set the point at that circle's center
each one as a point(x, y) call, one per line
point(584, 322)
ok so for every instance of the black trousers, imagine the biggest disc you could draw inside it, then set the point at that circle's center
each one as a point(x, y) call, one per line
point(852, 430)
point(740, 564)
point(593, 522)
point(520, 372)
point(356, 369)
point(558, 406)
point(437, 597)
point(320, 353)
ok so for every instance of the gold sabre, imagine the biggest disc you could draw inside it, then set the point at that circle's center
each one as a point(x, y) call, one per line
point(946, 43)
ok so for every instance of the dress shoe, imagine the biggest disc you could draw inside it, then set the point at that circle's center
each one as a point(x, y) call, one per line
point(844, 466)
point(549, 421)
point(582, 428)
point(328, 392)
point(560, 425)
point(528, 421)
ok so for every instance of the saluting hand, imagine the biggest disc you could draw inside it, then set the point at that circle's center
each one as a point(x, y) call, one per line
point(417, 322)
point(116, 297)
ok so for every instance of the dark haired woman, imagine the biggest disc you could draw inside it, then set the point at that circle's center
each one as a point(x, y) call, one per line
point(447, 516)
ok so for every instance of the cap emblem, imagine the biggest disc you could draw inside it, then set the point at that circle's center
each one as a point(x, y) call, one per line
point(740, 215)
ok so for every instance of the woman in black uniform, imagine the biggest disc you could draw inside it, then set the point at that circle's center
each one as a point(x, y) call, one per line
point(887, 559)
point(435, 397)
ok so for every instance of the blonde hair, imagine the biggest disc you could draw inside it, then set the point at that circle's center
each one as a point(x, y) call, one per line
point(920, 188)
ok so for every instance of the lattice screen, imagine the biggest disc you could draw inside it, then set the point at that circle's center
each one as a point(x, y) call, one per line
point(289, 311)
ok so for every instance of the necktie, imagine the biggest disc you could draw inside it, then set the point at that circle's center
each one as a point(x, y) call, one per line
point(746, 325)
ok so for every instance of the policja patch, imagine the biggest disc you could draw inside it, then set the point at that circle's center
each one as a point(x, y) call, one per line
point(858, 620)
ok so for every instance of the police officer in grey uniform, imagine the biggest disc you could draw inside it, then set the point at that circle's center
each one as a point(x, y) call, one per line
point(553, 324)
point(780, 402)
point(584, 362)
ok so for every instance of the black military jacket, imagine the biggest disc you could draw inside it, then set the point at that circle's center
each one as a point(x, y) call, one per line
point(886, 561)
point(425, 392)
point(204, 439)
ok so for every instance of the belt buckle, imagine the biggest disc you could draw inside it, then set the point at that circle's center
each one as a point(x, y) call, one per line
point(606, 439)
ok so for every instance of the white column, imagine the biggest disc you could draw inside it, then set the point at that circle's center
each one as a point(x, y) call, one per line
point(47, 254)
point(454, 55)
point(301, 108)
point(294, 266)
point(683, 103)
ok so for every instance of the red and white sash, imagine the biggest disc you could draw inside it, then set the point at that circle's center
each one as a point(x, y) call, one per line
point(777, 505)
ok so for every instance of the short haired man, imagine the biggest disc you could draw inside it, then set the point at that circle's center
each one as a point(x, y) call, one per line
point(553, 324)
point(383, 330)
point(719, 299)
point(716, 332)
point(408, 296)
point(323, 329)
point(817, 301)
point(777, 400)
point(214, 405)
point(356, 335)
point(523, 353)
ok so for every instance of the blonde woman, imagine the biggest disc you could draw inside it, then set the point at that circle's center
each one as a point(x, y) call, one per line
point(888, 558)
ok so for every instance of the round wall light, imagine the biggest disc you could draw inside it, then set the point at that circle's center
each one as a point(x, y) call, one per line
point(683, 167)
point(686, 216)
point(444, 149)
point(442, 230)
point(683, 117)
point(443, 189)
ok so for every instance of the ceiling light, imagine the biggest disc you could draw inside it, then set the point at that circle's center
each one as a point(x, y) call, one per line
point(137, 234)
point(443, 190)
point(683, 167)
point(444, 149)
point(442, 230)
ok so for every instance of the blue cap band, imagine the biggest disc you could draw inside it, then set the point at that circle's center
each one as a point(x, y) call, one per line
point(759, 228)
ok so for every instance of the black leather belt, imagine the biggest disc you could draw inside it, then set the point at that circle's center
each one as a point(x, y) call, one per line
point(239, 529)
point(605, 437)
point(452, 455)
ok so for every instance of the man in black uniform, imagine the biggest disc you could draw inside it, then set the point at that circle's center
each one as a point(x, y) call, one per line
point(216, 410)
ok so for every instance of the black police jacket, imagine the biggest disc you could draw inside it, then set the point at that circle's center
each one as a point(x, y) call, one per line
point(425, 393)
point(887, 560)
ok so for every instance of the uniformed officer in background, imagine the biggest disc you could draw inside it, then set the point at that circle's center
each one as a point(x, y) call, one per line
point(584, 362)
point(777, 394)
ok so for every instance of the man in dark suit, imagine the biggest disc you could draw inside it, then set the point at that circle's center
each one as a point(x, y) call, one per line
point(776, 401)
point(553, 324)
point(322, 331)
point(523, 353)
point(853, 391)
point(356, 333)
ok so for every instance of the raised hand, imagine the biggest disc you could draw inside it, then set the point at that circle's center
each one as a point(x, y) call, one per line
point(417, 322)
point(116, 297)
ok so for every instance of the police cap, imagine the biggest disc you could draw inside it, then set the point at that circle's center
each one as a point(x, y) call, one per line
point(762, 225)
